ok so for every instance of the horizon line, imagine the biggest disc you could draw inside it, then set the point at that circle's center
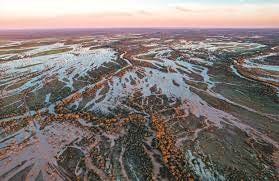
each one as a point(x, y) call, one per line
point(117, 28)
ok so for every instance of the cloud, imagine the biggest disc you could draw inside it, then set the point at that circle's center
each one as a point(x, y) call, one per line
point(183, 9)
point(144, 12)
point(170, 15)
point(113, 14)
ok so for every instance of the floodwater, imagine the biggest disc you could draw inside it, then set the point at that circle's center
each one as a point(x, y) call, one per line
point(144, 106)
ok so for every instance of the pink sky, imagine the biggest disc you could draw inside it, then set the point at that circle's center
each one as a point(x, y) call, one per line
point(124, 13)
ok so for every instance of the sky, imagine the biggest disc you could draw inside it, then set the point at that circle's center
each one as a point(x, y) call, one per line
point(25, 14)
